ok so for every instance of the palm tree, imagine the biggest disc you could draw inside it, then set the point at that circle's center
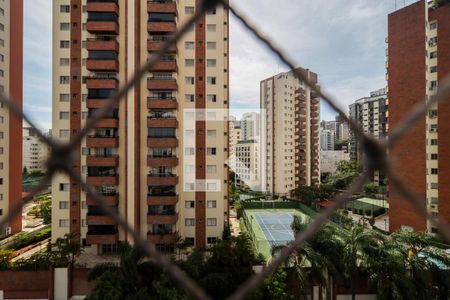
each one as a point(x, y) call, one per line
point(128, 280)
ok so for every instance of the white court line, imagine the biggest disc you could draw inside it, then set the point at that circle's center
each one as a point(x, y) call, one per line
point(267, 229)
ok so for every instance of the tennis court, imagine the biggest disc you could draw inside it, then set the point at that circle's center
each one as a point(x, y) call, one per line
point(271, 227)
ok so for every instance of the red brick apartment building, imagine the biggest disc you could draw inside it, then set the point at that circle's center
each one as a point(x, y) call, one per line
point(418, 61)
point(11, 61)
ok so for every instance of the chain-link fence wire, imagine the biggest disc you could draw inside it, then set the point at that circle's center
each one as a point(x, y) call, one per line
point(375, 152)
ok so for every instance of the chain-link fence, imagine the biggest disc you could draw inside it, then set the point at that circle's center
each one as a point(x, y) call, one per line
point(375, 152)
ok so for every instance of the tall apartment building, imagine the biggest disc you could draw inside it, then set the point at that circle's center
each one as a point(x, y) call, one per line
point(34, 152)
point(248, 166)
point(371, 113)
point(327, 138)
point(250, 124)
point(11, 79)
point(290, 147)
point(158, 158)
point(418, 60)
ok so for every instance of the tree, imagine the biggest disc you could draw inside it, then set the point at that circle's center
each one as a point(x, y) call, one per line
point(340, 144)
point(24, 172)
point(345, 173)
point(64, 250)
point(43, 209)
point(275, 287)
point(438, 3)
point(370, 189)
point(309, 194)
point(5, 259)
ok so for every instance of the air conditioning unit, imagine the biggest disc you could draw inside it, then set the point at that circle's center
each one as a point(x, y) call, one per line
point(433, 206)
point(8, 230)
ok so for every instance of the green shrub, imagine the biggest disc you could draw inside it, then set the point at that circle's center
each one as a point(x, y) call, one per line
point(25, 239)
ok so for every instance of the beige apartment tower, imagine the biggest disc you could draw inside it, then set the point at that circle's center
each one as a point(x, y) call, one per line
point(290, 121)
point(158, 158)
point(11, 82)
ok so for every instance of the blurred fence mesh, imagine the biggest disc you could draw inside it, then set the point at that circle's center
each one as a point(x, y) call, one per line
point(375, 153)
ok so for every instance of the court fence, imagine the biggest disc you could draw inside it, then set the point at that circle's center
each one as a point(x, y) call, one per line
point(375, 153)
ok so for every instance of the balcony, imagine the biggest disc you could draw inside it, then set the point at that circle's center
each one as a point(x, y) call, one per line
point(162, 142)
point(162, 219)
point(168, 122)
point(162, 161)
point(154, 102)
point(98, 103)
point(93, 44)
point(102, 238)
point(161, 26)
point(165, 66)
point(162, 84)
point(99, 220)
point(102, 161)
point(99, 27)
point(102, 65)
point(102, 180)
point(102, 6)
point(162, 199)
point(155, 43)
point(161, 238)
point(162, 179)
point(108, 123)
point(101, 83)
point(102, 142)
point(112, 200)
point(162, 6)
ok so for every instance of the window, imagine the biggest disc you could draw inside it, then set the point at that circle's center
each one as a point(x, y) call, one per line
point(211, 98)
point(64, 97)
point(189, 151)
point(64, 187)
point(189, 169)
point(211, 169)
point(84, 205)
point(2, 135)
point(189, 222)
point(433, 84)
point(433, 69)
point(211, 80)
point(211, 11)
point(189, 62)
point(433, 142)
point(2, 12)
point(2, 73)
point(2, 27)
point(64, 115)
point(189, 45)
point(1, 180)
point(64, 26)
point(1, 212)
point(190, 204)
point(433, 25)
point(64, 44)
point(189, 186)
point(433, 41)
point(2, 58)
point(190, 98)
point(2, 42)
point(64, 205)
point(433, 54)
point(211, 27)
point(211, 132)
point(64, 61)
point(1, 197)
point(189, 10)
point(211, 45)
point(64, 8)
point(211, 186)
point(83, 223)
point(211, 222)
point(211, 240)
point(434, 185)
point(190, 80)
point(211, 151)
point(2, 120)
point(211, 203)
point(64, 133)
point(434, 171)
point(211, 63)
point(63, 223)
point(434, 156)
point(64, 79)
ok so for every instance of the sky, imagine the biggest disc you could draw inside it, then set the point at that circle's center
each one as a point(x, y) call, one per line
point(343, 41)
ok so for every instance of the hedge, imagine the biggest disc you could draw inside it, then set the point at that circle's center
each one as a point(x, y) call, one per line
point(25, 239)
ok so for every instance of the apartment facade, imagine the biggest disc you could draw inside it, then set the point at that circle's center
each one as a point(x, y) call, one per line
point(250, 125)
point(248, 167)
point(158, 158)
point(418, 61)
point(290, 124)
point(327, 139)
point(11, 78)
point(35, 152)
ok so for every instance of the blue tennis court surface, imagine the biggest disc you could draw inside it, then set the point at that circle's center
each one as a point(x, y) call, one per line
point(276, 226)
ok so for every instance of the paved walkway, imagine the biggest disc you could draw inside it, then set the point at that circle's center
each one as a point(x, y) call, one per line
point(234, 222)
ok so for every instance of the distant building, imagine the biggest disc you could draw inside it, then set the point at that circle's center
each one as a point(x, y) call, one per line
point(327, 138)
point(251, 126)
point(35, 151)
point(418, 62)
point(343, 132)
point(248, 167)
point(330, 159)
point(291, 127)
